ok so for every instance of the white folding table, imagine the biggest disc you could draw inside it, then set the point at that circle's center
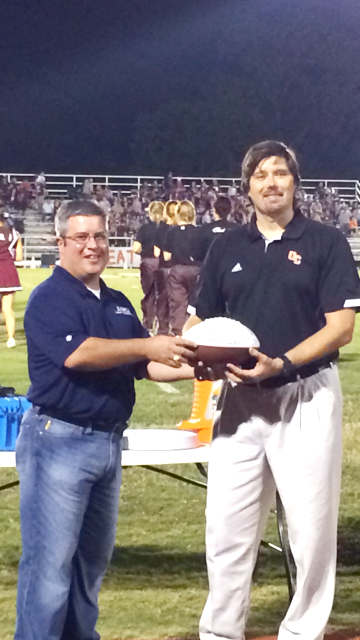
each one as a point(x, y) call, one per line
point(153, 449)
point(150, 448)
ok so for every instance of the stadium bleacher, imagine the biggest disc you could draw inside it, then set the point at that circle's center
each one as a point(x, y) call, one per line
point(127, 197)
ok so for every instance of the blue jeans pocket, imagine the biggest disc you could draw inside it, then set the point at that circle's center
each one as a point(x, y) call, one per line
point(60, 429)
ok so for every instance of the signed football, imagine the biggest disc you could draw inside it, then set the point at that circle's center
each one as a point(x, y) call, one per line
point(222, 340)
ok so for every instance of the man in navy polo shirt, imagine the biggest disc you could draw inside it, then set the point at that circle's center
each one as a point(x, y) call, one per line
point(292, 281)
point(85, 347)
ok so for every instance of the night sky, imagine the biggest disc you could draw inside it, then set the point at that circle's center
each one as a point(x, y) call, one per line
point(184, 85)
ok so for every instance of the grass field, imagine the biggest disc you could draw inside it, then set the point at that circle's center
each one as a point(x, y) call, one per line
point(156, 585)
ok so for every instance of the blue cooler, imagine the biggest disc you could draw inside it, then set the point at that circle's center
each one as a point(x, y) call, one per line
point(12, 409)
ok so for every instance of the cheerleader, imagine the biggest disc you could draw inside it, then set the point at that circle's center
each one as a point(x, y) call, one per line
point(10, 250)
point(179, 247)
point(162, 274)
point(144, 244)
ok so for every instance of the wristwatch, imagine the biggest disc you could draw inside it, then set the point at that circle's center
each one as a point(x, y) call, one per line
point(289, 367)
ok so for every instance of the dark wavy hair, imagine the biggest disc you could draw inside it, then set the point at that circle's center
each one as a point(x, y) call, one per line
point(268, 149)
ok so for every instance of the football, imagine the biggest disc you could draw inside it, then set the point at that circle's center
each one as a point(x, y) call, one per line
point(222, 340)
point(211, 355)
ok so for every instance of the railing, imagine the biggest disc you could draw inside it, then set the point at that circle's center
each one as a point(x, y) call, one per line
point(120, 254)
point(357, 191)
point(355, 248)
point(36, 246)
point(58, 185)
point(347, 189)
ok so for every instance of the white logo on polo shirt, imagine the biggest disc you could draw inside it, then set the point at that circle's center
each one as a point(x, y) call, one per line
point(124, 311)
point(295, 257)
point(237, 267)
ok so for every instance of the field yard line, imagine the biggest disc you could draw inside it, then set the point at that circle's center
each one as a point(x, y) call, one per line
point(166, 387)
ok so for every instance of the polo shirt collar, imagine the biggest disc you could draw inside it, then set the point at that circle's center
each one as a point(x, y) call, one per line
point(294, 229)
point(63, 274)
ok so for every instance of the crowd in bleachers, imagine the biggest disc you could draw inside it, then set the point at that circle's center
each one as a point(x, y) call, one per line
point(325, 205)
point(21, 196)
point(127, 210)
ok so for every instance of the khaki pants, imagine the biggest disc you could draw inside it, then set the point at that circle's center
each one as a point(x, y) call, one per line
point(290, 438)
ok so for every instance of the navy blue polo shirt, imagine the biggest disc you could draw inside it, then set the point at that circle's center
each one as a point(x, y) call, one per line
point(279, 289)
point(60, 315)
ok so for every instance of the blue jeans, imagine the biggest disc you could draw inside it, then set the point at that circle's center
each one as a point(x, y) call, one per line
point(70, 481)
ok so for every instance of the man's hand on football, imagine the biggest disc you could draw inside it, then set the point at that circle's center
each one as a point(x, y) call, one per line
point(265, 368)
point(169, 350)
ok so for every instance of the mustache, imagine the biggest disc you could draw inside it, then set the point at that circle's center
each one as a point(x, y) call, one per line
point(273, 192)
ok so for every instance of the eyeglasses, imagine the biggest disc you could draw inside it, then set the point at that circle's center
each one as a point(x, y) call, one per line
point(82, 239)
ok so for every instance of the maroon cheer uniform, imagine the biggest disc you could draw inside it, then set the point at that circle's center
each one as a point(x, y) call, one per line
point(9, 279)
